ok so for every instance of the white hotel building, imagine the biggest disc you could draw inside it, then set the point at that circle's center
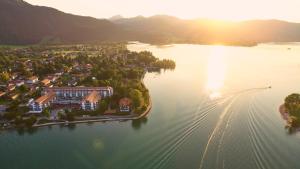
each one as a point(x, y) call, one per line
point(87, 97)
point(38, 105)
point(91, 101)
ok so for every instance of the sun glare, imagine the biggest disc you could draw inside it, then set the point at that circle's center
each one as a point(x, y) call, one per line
point(216, 71)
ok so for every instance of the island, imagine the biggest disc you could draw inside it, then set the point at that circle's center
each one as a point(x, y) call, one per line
point(290, 111)
point(66, 84)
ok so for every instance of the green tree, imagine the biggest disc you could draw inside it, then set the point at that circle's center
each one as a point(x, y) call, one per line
point(292, 102)
point(4, 77)
point(23, 89)
point(46, 112)
point(70, 116)
point(61, 115)
point(103, 106)
point(10, 115)
point(136, 97)
point(30, 121)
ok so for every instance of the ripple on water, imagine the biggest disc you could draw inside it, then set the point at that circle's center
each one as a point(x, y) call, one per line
point(263, 138)
point(176, 133)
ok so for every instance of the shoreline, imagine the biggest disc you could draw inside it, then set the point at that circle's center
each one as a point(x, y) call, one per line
point(101, 119)
point(110, 118)
point(283, 112)
point(285, 115)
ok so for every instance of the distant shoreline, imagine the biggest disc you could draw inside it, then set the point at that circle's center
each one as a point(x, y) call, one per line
point(246, 44)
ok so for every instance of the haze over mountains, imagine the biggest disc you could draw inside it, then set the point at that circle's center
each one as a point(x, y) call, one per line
point(23, 23)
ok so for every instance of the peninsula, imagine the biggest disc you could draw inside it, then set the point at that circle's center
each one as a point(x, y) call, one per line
point(290, 111)
point(48, 85)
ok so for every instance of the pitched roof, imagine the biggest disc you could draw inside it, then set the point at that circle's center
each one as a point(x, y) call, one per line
point(2, 93)
point(11, 87)
point(14, 96)
point(92, 97)
point(45, 98)
point(125, 101)
point(46, 81)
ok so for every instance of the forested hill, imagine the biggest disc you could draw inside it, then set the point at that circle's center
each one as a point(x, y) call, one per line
point(23, 23)
point(168, 29)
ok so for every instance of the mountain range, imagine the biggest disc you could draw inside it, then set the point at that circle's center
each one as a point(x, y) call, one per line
point(23, 23)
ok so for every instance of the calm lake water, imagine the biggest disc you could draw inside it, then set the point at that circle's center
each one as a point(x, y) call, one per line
point(213, 111)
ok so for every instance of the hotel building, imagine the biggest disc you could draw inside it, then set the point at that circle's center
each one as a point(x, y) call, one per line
point(91, 101)
point(38, 105)
point(87, 97)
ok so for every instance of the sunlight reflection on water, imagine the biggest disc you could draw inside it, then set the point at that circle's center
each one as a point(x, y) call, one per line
point(216, 71)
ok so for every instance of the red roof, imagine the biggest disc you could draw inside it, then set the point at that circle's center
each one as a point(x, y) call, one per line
point(2, 94)
point(125, 102)
point(92, 97)
point(45, 98)
point(46, 81)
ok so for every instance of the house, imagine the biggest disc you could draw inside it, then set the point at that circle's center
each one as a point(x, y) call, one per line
point(46, 82)
point(125, 105)
point(14, 96)
point(91, 101)
point(38, 105)
point(2, 93)
point(11, 87)
point(32, 80)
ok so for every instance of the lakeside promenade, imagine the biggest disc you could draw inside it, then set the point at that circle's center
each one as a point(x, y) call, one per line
point(103, 118)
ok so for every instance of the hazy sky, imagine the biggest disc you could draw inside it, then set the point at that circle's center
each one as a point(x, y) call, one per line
point(217, 9)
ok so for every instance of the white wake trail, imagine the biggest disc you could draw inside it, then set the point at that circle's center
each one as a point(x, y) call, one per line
point(216, 129)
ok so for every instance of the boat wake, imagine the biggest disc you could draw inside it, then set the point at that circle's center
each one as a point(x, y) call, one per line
point(219, 123)
point(188, 124)
point(222, 119)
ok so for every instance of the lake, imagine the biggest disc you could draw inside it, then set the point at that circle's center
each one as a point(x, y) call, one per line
point(215, 110)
